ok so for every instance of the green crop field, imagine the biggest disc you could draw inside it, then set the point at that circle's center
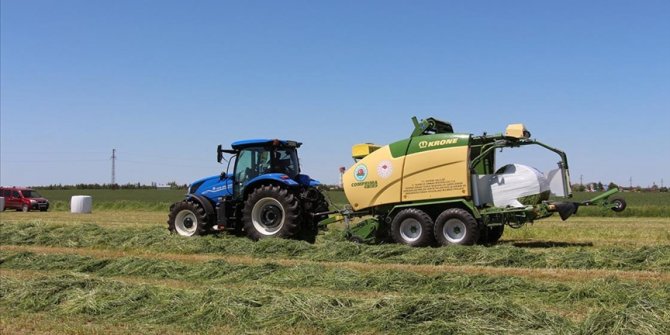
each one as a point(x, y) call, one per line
point(121, 272)
point(639, 204)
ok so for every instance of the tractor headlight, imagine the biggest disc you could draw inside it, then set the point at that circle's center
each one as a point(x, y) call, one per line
point(32, 202)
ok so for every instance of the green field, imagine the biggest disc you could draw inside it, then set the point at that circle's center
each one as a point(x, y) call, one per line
point(121, 272)
point(143, 199)
point(639, 204)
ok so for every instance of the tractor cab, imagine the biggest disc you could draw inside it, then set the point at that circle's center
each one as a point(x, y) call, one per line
point(261, 159)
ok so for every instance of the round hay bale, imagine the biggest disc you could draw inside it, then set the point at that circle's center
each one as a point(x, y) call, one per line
point(81, 204)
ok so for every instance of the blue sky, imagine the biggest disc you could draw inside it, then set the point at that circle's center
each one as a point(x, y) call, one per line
point(164, 82)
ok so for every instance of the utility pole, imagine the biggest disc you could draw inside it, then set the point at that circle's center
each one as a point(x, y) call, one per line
point(113, 167)
point(581, 179)
point(630, 181)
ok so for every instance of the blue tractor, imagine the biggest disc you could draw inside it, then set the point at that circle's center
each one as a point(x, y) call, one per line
point(265, 196)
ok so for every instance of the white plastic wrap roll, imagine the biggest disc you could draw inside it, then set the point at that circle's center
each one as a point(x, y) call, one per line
point(81, 204)
point(514, 181)
point(2, 204)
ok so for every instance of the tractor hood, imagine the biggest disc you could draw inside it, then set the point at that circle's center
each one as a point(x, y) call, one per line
point(212, 187)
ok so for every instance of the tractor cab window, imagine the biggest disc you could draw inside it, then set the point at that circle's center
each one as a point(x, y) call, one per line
point(286, 161)
point(253, 162)
point(244, 166)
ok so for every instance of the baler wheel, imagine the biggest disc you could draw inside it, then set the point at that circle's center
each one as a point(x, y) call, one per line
point(618, 204)
point(490, 235)
point(456, 226)
point(412, 227)
point(271, 211)
point(187, 218)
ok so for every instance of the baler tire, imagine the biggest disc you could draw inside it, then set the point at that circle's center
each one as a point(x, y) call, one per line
point(267, 204)
point(456, 226)
point(491, 235)
point(187, 218)
point(412, 227)
point(619, 204)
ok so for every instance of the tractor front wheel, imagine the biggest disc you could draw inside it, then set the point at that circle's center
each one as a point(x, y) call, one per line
point(412, 227)
point(271, 211)
point(456, 226)
point(187, 218)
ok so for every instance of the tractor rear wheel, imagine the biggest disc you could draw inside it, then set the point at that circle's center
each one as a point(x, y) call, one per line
point(271, 211)
point(456, 226)
point(412, 227)
point(187, 218)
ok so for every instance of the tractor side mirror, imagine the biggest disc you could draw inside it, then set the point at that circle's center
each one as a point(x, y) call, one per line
point(219, 153)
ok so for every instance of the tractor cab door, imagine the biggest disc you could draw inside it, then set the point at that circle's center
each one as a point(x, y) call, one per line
point(245, 169)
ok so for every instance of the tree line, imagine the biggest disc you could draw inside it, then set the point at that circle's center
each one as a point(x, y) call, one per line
point(129, 186)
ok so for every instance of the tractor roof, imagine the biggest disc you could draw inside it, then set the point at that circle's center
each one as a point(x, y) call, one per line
point(264, 142)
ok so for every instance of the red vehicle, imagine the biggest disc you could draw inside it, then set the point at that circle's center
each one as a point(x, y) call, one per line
point(23, 199)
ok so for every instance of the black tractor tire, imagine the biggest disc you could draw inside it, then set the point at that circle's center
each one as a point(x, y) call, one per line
point(412, 227)
point(456, 226)
point(188, 218)
point(271, 211)
point(313, 202)
point(490, 235)
point(618, 204)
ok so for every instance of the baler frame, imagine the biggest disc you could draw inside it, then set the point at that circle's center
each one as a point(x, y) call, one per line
point(489, 217)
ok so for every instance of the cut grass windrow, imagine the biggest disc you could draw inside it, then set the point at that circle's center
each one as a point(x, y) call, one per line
point(554, 274)
point(216, 273)
point(646, 258)
point(260, 308)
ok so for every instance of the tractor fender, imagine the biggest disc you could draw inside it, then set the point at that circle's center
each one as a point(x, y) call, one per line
point(305, 180)
point(205, 203)
point(278, 177)
point(269, 179)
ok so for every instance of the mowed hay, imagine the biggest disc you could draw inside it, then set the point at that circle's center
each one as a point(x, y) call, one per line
point(217, 272)
point(263, 308)
point(144, 277)
point(649, 258)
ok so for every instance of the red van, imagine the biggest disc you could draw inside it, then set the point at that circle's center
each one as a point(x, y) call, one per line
point(23, 199)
